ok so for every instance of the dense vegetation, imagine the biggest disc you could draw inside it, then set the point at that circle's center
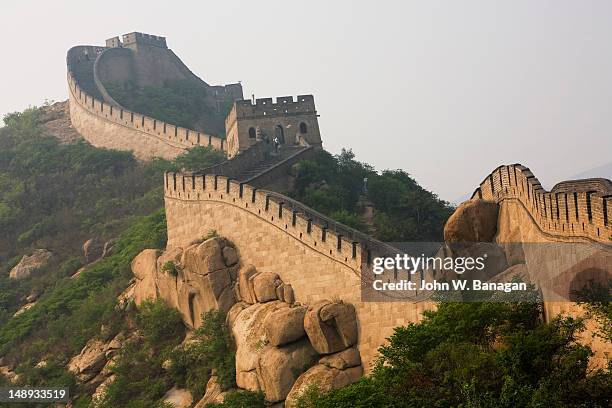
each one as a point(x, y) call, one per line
point(180, 102)
point(55, 196)
point(479, 355)
point(404, 211)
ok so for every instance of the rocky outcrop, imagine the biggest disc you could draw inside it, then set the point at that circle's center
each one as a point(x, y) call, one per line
point(195, 280)
point(331, 327)
point(279, 367)
point(30, 263)
point(473, 221)
point(276, 339)
point(89, 362)
point(332, 372)
point(285, 325)
point(214, 393)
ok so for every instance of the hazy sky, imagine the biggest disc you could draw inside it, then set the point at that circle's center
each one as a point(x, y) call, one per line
point(446, 90)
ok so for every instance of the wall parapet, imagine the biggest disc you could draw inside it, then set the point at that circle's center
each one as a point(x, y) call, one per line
point(173, 135)
point(321, 233)
point(572, 209)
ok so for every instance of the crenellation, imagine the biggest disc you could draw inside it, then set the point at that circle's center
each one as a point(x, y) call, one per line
point(576, 209)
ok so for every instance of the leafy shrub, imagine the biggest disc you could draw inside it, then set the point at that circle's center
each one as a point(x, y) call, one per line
point(241, 399)
point(404, 211)
point(161, 325)
point(478, 355)
point(209, 350)
point(170, 268)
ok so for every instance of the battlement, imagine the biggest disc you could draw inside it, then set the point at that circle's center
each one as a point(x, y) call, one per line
point(284, 105)
point(95, 118)
point(572, 209)
point(145, 39)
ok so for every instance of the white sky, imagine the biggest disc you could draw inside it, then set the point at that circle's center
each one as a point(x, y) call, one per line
point(446, 90)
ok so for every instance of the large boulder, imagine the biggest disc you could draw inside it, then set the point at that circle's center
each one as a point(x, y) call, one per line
point(144, 268)
point(194, 280)
point(249, 334)
point(245, 283)
point(279, 367)
point(285, 325)
point(472, 221)
point(89, 362)
point(30, 263)
point(205, 257)
point(93, 249)
point(264, 286)
point(331, 327)
point(325, 378)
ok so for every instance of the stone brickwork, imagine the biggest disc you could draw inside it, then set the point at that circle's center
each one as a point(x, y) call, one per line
point(321, 263)
point(287, 118)
point(104, 125)
point(579, 209)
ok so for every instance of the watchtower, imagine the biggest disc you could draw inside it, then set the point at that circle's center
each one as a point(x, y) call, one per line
point(292, 122)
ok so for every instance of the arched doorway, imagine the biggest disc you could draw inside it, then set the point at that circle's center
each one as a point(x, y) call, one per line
point(279, 132)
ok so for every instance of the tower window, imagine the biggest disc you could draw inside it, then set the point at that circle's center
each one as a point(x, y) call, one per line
point(252, 133)
point(303, 128)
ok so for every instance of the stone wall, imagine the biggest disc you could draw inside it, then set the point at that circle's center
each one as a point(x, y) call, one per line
point(107, 126)
point(321, 263)
point(265, 115)
point(572, 210)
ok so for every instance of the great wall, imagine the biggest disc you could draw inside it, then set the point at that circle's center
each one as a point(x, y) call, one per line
point(321, 258)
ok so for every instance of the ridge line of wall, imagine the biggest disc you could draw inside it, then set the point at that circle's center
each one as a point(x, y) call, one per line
point(571, 213)
point(170, 134)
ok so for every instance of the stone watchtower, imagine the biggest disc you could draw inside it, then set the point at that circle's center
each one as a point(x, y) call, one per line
point(293, 122)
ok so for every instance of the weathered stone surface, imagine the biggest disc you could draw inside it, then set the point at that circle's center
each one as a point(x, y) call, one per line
point(30, 263)
point(248, 380)
point(264, 285)
point(279, 367)
point(230, 257)
point(285, 325)
point(325, 378)
point(24, 308)
point(93, 249)
point(472, 221)
point(331, 327)
point(194, 280)
point(101, 389)
point(342, 360)
point(88, 363)
point(205, 257)
point(288, 295)
point(145, 264)
point(178, 397)
point(213, 393)
point(244, 283)
point(249, 334)
point(144, 268)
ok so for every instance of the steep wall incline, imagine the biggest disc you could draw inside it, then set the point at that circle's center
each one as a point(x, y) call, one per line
point(572, 210)
point(109, 126)
point(326, 260)
point(321, 258)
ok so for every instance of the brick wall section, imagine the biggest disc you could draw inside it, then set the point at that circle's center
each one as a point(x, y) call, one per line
point(104, 125)
point(572, 209)
point(320, 263)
